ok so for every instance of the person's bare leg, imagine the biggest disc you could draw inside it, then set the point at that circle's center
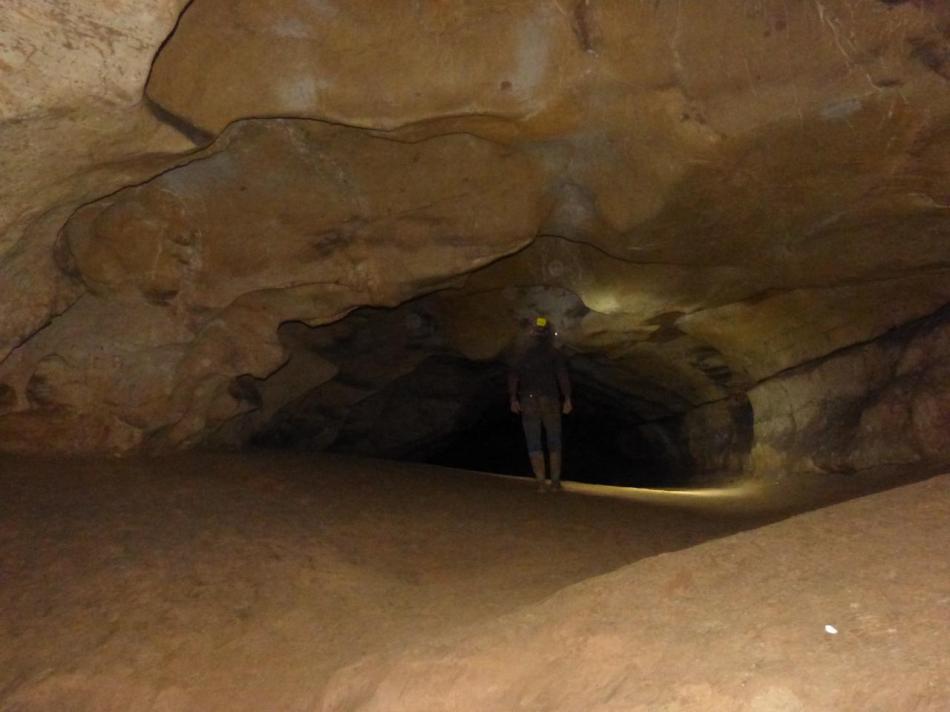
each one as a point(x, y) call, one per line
point(555, 457)
point(551, 417)
point(537, 466)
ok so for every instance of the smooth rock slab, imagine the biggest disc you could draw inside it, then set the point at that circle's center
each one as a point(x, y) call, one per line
point(733, 625)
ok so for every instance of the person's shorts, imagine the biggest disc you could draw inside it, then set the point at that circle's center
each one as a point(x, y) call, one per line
point(538, 410)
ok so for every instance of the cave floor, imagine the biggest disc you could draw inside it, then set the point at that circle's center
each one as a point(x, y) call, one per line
point(225, 582)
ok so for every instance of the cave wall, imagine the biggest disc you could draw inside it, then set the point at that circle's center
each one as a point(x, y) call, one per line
point(73, 128)
point(883, 402)
point(180, 298)
point(735, 211)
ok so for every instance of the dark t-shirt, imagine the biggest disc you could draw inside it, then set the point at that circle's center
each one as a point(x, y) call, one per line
point(539, 372)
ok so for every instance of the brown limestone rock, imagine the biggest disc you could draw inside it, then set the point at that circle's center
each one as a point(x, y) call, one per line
point(886, 402)
point(728, 190)
point(365, 63)
point(327, 219)
point(758, 602)
point(72, 128)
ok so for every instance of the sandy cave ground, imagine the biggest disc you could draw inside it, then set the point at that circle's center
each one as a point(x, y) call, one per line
point(217, 582)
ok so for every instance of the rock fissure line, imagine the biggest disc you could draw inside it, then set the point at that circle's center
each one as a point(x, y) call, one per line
point(893, 334)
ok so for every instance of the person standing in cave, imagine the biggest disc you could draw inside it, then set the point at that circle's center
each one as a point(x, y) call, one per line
point(537, 381)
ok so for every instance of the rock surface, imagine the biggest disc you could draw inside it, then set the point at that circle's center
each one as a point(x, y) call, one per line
point(839, 609)
point(73, 127)
point(241, 582)
point(706, 197)
point(195, 299)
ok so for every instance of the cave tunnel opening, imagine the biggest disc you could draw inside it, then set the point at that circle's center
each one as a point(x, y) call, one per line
point(400, 384)
point(601, 441)
point(453, 412)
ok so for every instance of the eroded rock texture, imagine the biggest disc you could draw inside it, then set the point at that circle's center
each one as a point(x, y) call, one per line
point(757, 600)
point(735, 212)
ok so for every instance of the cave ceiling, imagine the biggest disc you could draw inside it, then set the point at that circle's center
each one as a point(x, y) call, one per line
point(701, 195)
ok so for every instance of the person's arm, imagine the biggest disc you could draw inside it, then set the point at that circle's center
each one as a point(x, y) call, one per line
point(564, 382)
point(513, 402)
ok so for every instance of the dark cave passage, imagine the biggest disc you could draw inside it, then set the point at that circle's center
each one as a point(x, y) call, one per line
point(599, 445)
point(392, 383)
point(453, 412)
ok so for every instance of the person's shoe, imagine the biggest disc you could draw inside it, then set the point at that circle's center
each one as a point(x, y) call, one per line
point(542, 487)
point(556, 486)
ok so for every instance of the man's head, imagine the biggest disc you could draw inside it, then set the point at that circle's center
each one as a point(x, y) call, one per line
point(541, 327)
